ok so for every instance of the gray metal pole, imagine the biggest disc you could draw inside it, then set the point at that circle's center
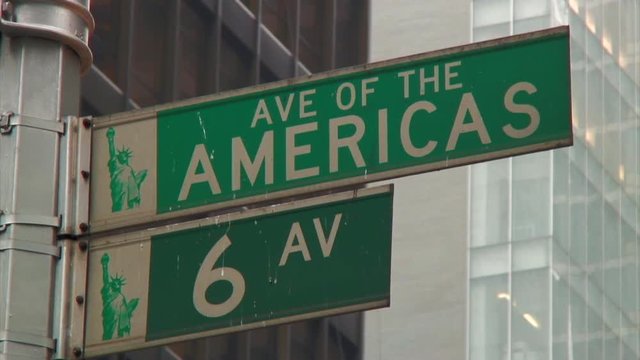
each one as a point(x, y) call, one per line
point(42, 51)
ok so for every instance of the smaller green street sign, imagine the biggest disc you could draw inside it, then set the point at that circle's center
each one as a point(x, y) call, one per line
point(378, 121)
point(300, 260)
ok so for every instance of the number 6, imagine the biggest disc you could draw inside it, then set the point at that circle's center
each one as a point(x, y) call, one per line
point(207, 275)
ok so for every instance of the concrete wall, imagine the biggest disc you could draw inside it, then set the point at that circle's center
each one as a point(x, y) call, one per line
point(427, 317)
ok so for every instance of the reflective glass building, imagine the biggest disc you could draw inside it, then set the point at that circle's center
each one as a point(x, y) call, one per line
point(553, 263)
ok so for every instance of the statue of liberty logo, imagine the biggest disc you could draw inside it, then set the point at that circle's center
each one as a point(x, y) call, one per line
point(116, 309)
point(125, 182)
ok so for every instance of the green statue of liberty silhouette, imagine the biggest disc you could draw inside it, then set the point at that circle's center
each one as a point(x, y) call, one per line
point(116, 309)
point(125, 182)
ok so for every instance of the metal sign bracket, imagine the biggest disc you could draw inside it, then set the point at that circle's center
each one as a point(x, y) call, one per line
point(73, 195)
point(75, 160)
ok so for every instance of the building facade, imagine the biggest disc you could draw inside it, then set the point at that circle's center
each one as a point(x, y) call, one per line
point(150, 52)
point(427, 317)
point(554, 271)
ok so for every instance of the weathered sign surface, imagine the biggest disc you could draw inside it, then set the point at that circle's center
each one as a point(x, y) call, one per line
point(405, 116)
point(300, 260)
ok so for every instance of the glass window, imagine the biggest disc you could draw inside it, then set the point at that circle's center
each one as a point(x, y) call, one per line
point(491, 32)
point(578, 217)
point(611, 249)
point(612, 341)
point(531, 254)
point(561, 198)
point(531, 15)
point(262, 344)
point(611, 133)
point(630, 349)
point(196, 52)
point(351, 28)
point(530, 315)
point(578, 76)
point(595, 325)
point(107, 37)
point(628, 56)
point(578, 308)
point(489, 260)
point(524, 9)
point(491, 12)
point(149, 74)
point(592, 14)
point(629, 173)
point(531, 24)
point(629, 263)
point(561, 319)
point(237, 62)
point(490, 203)
point(594, 107)
point(279, 16)
point(488, 323)
point(316, 27)
point(595, 244)
point(610, 35)
point(531, 196)
point(323, 24)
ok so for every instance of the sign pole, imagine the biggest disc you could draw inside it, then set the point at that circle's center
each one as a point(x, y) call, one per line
point(42, 53)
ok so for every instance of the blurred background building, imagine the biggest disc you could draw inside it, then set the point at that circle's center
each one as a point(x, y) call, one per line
point(553, 261)
point(534, 257)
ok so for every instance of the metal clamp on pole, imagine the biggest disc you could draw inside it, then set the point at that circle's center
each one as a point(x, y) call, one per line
point(9, 219)
point(29, 246)
point(8, 120)
point(25, 338)
point(67, 21)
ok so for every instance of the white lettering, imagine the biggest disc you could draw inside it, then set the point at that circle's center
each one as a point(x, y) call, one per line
point(262, 112)
point(293, 151)
point(448, 75)
point(208, 274)
point(304, 103)
point(327, 244)
point(383, 137)
point(468, 105)
point(350, 142)
point(405, 134)
point(284, 110)
point(367, 90)
point(199, 157)
point(352, 96)
point(405, 81)
point(434, 79)
point(240, 159)
point(295, 233)
point(534, 115)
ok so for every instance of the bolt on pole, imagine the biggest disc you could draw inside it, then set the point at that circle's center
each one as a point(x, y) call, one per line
point(43, 51)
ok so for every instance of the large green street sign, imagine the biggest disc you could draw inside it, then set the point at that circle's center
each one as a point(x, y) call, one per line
point(405, 116)
point(294, 261)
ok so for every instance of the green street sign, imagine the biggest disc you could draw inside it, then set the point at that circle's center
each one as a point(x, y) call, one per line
point(405, 116)
point(300, 260)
